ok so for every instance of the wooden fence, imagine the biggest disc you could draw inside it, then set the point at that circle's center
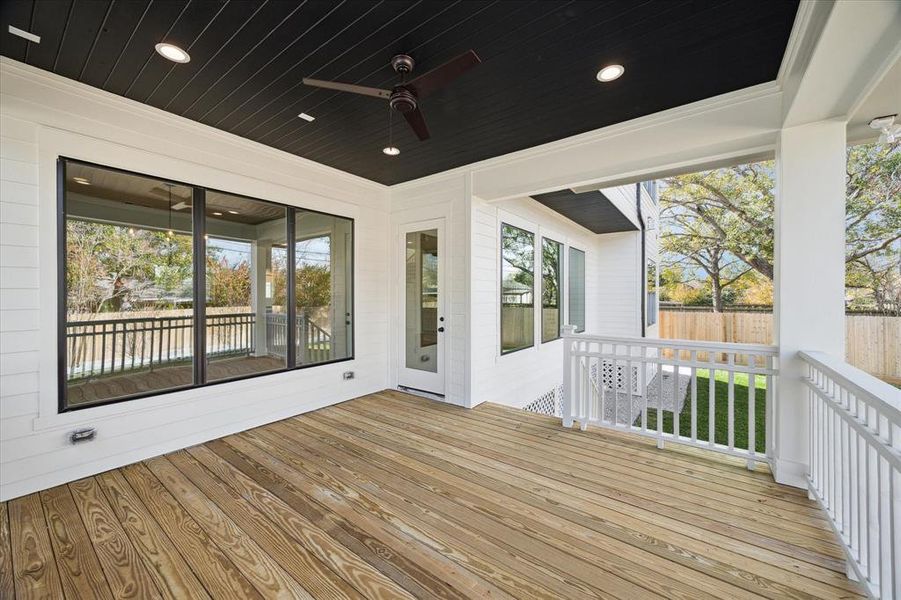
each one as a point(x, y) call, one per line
point(872, 343)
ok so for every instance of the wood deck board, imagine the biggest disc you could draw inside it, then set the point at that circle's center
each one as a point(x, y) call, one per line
point(394, 496)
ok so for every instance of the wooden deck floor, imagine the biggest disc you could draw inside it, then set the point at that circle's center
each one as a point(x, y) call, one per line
point(394, 496)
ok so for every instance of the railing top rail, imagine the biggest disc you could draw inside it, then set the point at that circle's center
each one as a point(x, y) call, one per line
point(879, 394)
point(725, 347)
point(158, 318)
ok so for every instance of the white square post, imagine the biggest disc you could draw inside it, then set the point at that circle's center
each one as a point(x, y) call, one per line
point(809, 276)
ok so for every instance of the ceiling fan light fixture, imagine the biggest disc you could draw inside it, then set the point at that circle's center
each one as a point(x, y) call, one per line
point(610, 72)
point(391, 150)
point(172, 52)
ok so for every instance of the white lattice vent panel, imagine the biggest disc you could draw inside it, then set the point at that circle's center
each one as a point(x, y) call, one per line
point(617, 377)
point(548, 403)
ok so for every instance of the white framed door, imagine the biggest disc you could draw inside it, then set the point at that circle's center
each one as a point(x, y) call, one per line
point(422, 325)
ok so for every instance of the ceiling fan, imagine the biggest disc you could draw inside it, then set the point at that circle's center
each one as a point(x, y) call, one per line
point(405, 96)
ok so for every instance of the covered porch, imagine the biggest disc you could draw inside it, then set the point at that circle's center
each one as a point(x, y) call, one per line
point(390, 495)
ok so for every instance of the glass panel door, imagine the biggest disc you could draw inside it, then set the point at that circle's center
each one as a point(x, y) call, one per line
point(423, 324)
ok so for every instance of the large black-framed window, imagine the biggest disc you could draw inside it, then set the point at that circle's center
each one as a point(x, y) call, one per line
point(551, 289)
point(517, 289)
point(577, 289)
point(143, 259)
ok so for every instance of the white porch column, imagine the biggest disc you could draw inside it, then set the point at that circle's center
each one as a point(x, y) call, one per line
point(260, 259)
point(809, 275)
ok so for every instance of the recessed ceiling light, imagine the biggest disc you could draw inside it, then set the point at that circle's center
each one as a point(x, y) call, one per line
point(172, 52)
point(218, 214)
point(81, 180)
point(306, 117)
point(232, 212)
point(610, 72)
point(391, 151)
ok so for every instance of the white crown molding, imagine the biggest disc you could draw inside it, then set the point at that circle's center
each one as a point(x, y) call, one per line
point(673, 115)
point(13, 68)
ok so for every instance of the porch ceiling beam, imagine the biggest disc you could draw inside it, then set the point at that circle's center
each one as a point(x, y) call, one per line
point(849, 48)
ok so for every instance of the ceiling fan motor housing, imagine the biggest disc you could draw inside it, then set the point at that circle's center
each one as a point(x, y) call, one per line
point(402, 100)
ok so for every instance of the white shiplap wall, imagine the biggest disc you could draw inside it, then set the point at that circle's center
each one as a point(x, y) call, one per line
point(438, 198)
point(42, 117)
point(520, 377)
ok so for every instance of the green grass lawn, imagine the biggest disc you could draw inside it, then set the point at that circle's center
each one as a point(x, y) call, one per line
point(721, 422)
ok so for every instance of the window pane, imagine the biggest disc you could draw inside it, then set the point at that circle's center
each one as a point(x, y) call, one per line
point(577, 289)
point(129, 269)
point(517, 288)
point(551, 282)
point(651, 303)
point(421, 300)
point(323, 263)
point(246, 274)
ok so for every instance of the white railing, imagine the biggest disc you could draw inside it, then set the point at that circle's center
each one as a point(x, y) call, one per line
point(710, 395)
point(855, 467)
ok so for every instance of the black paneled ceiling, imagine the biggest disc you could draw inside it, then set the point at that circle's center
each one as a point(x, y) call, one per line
point(536, 84)
point(592, 210)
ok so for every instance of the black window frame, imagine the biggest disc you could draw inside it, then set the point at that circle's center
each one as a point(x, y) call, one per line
point(569, 290)
point(560, 266)
point(501, 286)
point(198, 242)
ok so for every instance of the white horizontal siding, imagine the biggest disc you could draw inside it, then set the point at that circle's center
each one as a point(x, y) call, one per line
point(34, 452)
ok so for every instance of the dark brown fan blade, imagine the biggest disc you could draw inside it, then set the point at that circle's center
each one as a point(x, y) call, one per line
point(439, 77)
point(417, 122)
point(348, 87)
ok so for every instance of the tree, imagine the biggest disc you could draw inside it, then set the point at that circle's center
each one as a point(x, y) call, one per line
point(728, 213)
point(110, 267)
point(873, 228)
point(693, 237)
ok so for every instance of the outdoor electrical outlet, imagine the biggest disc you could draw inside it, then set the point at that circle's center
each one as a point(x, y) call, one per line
point(348, 375)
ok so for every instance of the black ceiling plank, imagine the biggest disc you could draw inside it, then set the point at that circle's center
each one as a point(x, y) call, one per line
point(203, 50)
point(259, 24)
point(85, 20)
point(538, 115)
point(536, 83)
point(279, 35)
point(325, 34)
point(49, 22)
point(371, 60)
point(150, 31)
point(18, 14)
point(371, 69)
point(196, 17)
point(479, 93)
point(450, 46)
point(120, 24)
point(592, 210)
point(391, 15)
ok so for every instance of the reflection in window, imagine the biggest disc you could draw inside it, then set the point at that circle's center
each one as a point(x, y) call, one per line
point(652, 293)
point(133, 291)
point(551, 289)
point(577, 289)
point(323, 270)
point(246, 271)
point(517, 288)
point(128, 274)
point(421, 300)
